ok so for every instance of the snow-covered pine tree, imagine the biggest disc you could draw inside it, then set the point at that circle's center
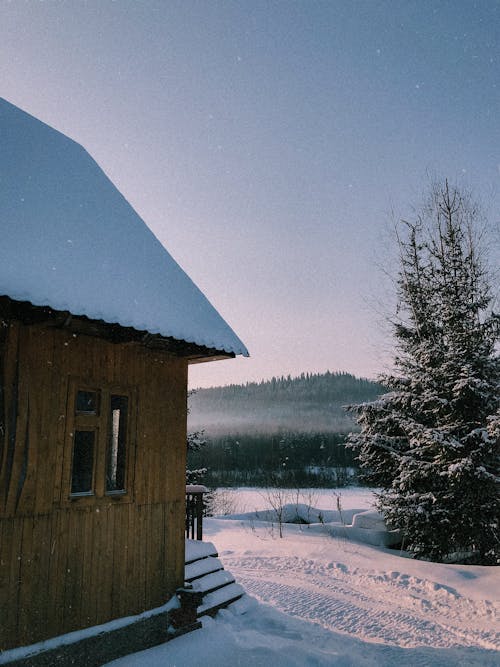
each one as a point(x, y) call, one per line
point(432, 442)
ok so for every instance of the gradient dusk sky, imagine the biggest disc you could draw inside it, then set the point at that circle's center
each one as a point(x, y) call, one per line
point(267, 143)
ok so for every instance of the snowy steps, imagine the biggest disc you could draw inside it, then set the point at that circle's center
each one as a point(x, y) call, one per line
point(205, 574)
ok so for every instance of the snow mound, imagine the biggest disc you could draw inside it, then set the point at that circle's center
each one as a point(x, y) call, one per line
point(370, 519)
point(366, 526)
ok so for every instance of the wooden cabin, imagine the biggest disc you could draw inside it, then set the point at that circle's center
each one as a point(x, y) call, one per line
point(98, 326)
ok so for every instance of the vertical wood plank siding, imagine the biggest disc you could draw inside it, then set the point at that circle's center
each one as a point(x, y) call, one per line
point(69, 564)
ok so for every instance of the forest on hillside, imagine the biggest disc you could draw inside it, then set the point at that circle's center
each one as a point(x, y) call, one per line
point(284, 431)
point(309, 403)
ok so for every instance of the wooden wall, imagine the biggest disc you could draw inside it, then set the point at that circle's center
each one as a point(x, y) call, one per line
point(67, 564)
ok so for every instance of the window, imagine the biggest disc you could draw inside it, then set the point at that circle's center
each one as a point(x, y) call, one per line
point(99, 436)
point(115, 464)
point(87, 402)
point(82, 472)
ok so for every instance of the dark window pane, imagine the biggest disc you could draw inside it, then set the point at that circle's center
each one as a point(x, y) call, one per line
point(115, 464)
point(87, 402)
point(83, 462)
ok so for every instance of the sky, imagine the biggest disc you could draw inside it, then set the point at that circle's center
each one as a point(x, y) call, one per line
point(269, 145)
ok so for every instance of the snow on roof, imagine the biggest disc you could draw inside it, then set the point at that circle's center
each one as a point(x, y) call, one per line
point(71, 241)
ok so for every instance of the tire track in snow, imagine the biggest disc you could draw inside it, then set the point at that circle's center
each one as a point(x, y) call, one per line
point(348, 617)
point(343, 600)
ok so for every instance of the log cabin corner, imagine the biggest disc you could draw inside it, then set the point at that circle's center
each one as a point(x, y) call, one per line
point(98, 326)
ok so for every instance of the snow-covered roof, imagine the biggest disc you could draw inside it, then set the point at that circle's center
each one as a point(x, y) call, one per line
point(71, 241)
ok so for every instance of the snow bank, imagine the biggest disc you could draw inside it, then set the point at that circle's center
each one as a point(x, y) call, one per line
point(369, 519)
point(366, 526)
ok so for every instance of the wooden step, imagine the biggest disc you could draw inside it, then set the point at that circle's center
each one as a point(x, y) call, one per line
point(200, 568)
point(196, 550)
point(220, 598)
point(213, 581)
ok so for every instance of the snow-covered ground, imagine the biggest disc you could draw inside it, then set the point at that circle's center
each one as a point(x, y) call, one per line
point(320, 599)
point(252, 499)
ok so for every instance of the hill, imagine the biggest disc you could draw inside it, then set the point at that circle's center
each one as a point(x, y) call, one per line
point(309, 403)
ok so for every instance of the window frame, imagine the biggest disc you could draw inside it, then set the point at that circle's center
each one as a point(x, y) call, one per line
point(98, 422)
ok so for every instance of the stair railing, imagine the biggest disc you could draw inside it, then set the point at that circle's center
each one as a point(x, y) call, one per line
point(194, 511)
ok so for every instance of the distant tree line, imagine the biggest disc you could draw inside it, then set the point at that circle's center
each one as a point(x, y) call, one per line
point(286, 459)
point(307, 387)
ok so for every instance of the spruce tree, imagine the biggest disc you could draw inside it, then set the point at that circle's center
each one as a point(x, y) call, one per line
point(432, 442)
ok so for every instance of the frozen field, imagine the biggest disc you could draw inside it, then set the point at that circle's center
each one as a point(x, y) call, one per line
point(316, 599)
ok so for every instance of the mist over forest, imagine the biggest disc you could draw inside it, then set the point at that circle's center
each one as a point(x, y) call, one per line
point(309, 403)
point(284, 431)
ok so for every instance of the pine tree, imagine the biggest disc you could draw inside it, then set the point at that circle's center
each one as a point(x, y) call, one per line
point(195, 441)
point(432, 442)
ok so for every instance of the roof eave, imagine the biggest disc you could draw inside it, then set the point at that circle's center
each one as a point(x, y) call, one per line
point(26, 312)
